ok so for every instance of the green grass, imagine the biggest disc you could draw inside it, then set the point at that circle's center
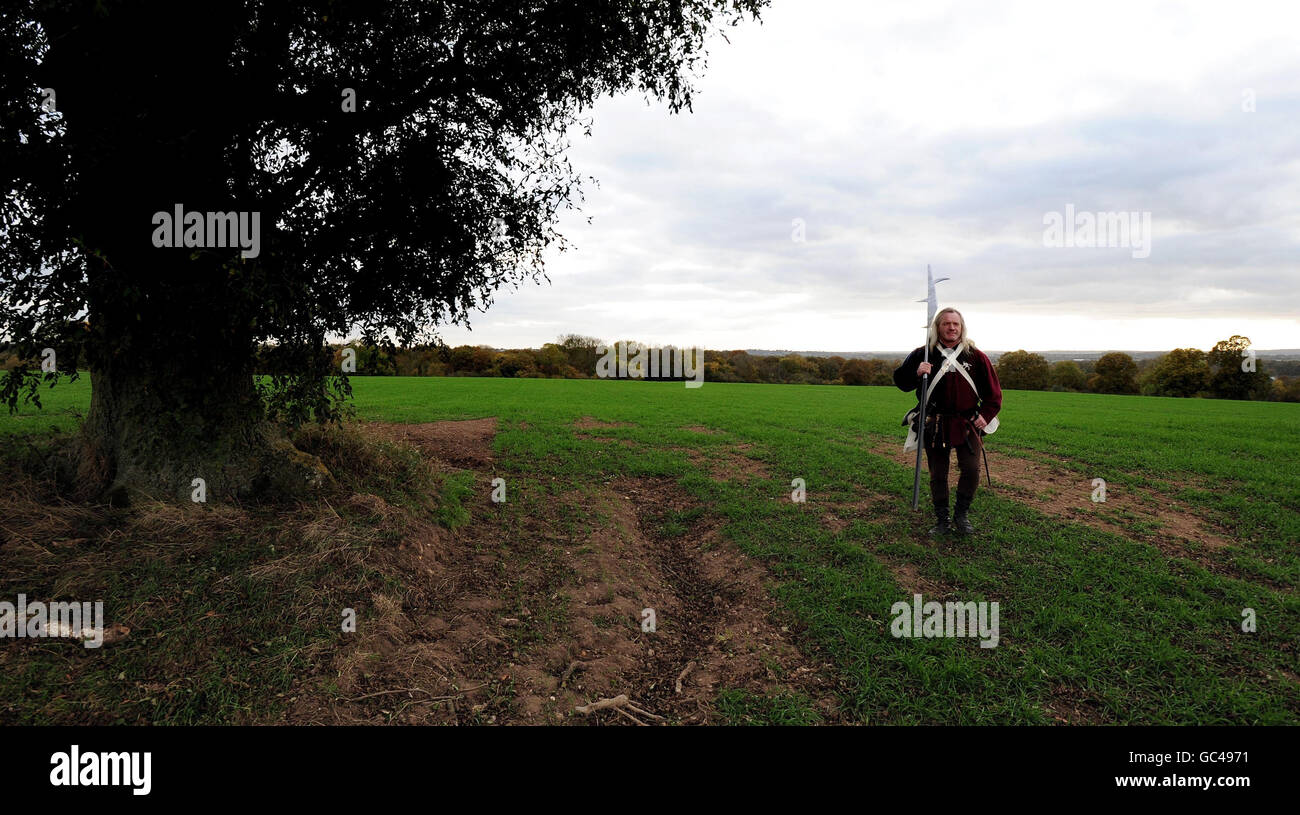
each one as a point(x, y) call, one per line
point(457, 489)
point(740, 707)
point(229, 647)
point(62, 408)
point(1089, 619)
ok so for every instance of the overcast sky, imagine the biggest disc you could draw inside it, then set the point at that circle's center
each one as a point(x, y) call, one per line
point(907, 133)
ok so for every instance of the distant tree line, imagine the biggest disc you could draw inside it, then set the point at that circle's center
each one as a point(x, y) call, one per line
point(1217, 373)
point(574, 356)
point(1226, 371)
point(1185, 372)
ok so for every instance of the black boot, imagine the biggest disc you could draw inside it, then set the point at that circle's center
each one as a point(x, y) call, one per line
point(959, 517)
point(941, 522)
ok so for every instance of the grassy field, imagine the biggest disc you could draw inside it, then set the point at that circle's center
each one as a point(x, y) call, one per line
point(1097, 625)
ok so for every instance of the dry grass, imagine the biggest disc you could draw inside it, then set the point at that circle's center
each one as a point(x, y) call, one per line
point(238, 607)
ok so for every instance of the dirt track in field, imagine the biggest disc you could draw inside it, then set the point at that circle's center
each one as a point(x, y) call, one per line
point(533, 615)
point(1140, 515)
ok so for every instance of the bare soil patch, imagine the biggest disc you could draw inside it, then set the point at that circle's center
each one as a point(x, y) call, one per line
point(588, 428)
point(535, 615)
point(466, 444)
point(725, 463)
point(912, 582)
point(1073, 706)
point(838, 516)
point(1061, 493)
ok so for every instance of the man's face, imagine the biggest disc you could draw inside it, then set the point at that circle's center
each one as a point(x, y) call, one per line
point(949, 328)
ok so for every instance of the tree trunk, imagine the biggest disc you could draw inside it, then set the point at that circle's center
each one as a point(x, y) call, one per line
point(173, 329)
point(172, 430)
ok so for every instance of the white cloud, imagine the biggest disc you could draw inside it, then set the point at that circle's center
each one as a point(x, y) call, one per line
point(906, 134)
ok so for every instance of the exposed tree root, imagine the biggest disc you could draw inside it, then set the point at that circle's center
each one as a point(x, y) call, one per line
point(620, 704)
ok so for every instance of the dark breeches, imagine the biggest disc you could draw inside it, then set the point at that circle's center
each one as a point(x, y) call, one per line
point(968, 465)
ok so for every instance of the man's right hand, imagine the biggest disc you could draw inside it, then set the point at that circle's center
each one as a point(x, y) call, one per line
point(923, 369)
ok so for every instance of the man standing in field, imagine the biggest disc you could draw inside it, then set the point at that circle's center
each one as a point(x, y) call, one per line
point(964, 397)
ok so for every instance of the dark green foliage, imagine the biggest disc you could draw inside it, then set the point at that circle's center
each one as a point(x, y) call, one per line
point(1234, 373)
point(1021, 370)
point(1067, 375)
point(1115, 372)
point(406, 160)
point(1181, 372)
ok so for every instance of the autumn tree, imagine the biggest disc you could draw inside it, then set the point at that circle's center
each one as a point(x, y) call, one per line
point(404, 160)
point(1181, 372)
point(1115, 372)
point(828, 368)
point(795, 368)
point(515, 363)
point(855, 372)
point(744, 367)
point(1021, 370)
point(472, 359)
point(580, 352)
point(1067, 375)
point(1285, 389)
point(1234, 371)
point(881, 372)
point(551, 359)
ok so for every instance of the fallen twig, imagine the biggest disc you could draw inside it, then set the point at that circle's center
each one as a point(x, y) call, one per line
point(385, 693)
point(617, 701)
point(647, 713)
point(431, 698)
point(630, 716)
point(689, 667)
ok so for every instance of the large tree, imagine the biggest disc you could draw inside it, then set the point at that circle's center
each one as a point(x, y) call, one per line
point(1021, 370)
point(406, 160)
point(1115, 372)
point(1067, 375)
point(1181, 372)
point(1235, 373)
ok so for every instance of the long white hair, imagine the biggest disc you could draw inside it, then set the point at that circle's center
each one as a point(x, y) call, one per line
point(933, 334)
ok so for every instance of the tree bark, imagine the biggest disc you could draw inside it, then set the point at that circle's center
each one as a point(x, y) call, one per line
point(156, 426)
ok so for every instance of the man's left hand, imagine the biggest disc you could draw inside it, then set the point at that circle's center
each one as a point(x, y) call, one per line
point(980, 424)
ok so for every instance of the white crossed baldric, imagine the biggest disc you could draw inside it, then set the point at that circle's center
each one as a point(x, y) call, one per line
point(950, 363)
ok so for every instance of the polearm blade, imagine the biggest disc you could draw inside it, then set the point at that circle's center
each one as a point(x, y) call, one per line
point(931, 300)
point(931, 306)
